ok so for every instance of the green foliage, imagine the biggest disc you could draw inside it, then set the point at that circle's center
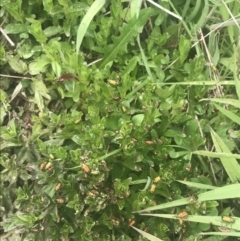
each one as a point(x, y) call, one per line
point(106, 107)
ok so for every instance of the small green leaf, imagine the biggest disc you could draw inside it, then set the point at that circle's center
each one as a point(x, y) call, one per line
point(138, 119)
point(39, 86)
point(39, 66)
point(39, 101)
point(36, 30)
point(17, 65)
point(15, 28)
point(184, 48)
point(40, 91)
point(56, 68)
point(52, 30)
point(48, 5)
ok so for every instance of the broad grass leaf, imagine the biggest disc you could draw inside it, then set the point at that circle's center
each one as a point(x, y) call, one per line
point(82, 29)
point(147, 235)
point(230, 164)
point(128, 32)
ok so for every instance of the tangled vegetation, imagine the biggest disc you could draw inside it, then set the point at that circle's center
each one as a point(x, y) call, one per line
point(120, 120)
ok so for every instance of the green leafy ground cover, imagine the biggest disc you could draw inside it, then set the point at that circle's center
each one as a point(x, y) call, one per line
point(120, 120)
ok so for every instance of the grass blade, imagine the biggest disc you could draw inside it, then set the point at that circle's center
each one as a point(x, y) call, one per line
point(203, 17)
point(230, 164)
point(194, 11)
point(226, 192)
point(145, 59)
point(229, 114)
point(220, 193)
point(82, 29)
point(147, 235)
point(211, 82)
point(215, 220)
point(16, 91)
point(197, 185)
point(216, 154)
point(232, 102)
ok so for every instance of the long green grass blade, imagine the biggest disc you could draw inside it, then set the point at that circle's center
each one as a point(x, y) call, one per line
point(237, 68)
point(229, 234)
point(197, 185)
point(215, 220)
point(230, 164)
point(232, 102)
point(217, 154)
point(226, 192)
point(175, 203)
point(145, 60)
point(211, 82)
point(203, 17)
point(195, 10)
point(147, 235)
point(235, 118)
point(82, 29)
